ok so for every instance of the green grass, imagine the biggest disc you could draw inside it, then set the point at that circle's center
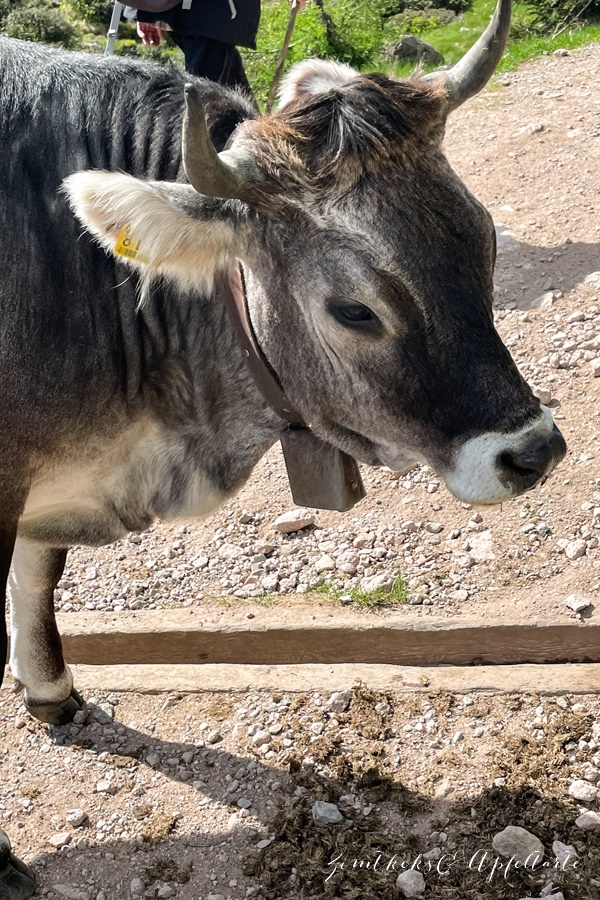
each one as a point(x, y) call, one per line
point(455, 39)
point(398, 593)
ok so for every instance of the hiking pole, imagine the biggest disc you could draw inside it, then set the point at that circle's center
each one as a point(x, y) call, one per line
point(282, 56)
point(113, 28)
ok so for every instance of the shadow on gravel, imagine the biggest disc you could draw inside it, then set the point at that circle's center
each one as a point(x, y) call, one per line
point(525, 273)
point(386, 829)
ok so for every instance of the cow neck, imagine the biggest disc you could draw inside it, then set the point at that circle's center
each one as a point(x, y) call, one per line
point(232, 289)
point(321, 476)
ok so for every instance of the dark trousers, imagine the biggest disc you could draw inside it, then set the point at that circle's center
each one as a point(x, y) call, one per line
point(212, 59)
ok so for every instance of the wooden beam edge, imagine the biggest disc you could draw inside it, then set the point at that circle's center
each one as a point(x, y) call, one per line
point(159, 679)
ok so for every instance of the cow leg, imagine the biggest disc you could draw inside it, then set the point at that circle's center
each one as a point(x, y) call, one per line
point(16, 879)
point(36, 657)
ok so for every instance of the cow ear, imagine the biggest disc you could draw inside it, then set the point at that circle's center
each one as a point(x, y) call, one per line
point(314, 76)
point(158, 226)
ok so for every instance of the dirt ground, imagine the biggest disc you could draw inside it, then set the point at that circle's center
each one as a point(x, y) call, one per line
point(210, 797)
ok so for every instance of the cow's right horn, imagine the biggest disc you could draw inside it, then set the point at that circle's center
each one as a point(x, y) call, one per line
point(228, 174)
point(475, 69)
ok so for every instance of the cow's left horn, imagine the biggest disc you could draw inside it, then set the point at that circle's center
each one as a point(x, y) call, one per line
point(228, 174)
point(475, 69)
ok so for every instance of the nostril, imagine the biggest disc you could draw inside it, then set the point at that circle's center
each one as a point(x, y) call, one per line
point(512, 464)
point(526, 467)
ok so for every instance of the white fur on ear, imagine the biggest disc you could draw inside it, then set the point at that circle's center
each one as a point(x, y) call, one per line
point(163, 221)
point(314, 76)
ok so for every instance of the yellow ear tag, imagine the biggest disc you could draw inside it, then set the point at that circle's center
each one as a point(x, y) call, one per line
point(127, 246)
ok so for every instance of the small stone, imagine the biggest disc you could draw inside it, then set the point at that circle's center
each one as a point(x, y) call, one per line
point(294, 520)
point(262, 845)
point(244, 803)
point(76, 817)
point(270, 583)
point(213, 737)
point(325, 564)
point(165, 891)
point(577, 603)
point(544, 395)
point(326, 814)
point(137, 887)
point(565, 853)
point(104, 713)
point(69, 892)
point(339, 701)
point(518, 842)
point(481, 546)
point(588, 821)
point(60, 840)
point(411, 883)
point(261, 737)
point(382, 582)
point(230, 551)
point(575, 549)
point(533, 128)
point(595, 367)
point(583, 791)
point(91, 573)
point(104, 787)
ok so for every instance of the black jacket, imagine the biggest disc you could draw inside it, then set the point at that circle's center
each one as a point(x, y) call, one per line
point(213, 19)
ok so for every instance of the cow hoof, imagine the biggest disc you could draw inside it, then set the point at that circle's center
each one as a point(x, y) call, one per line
point(17, 881)
point(56, 713)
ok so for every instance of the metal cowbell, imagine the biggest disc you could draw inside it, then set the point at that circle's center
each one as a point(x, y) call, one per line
point(320, 475)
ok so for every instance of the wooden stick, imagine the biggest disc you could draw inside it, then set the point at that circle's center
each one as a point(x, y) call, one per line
point(282, 56)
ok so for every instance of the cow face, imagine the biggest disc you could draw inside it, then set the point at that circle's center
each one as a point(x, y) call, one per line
point(369, 272)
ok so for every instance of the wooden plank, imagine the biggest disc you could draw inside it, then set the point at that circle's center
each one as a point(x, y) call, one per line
point(159, 679)
point(175, 637)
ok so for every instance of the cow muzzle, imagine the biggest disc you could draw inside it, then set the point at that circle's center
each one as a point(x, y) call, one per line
point(497, 466)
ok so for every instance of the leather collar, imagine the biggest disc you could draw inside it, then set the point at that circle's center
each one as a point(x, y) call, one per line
point(232, 290)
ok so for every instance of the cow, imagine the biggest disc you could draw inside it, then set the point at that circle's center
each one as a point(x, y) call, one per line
point(367, 267)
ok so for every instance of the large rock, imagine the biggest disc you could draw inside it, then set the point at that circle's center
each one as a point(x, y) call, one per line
point(412, 49)
point(516, 841)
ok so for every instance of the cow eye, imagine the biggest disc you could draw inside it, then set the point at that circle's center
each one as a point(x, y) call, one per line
point(352, 314)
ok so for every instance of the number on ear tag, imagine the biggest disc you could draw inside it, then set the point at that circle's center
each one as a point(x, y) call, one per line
point(128, 246)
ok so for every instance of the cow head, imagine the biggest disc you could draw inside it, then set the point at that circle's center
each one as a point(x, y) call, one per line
point(369, 267)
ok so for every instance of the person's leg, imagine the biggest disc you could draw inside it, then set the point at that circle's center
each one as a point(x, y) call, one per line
point(212, 59)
